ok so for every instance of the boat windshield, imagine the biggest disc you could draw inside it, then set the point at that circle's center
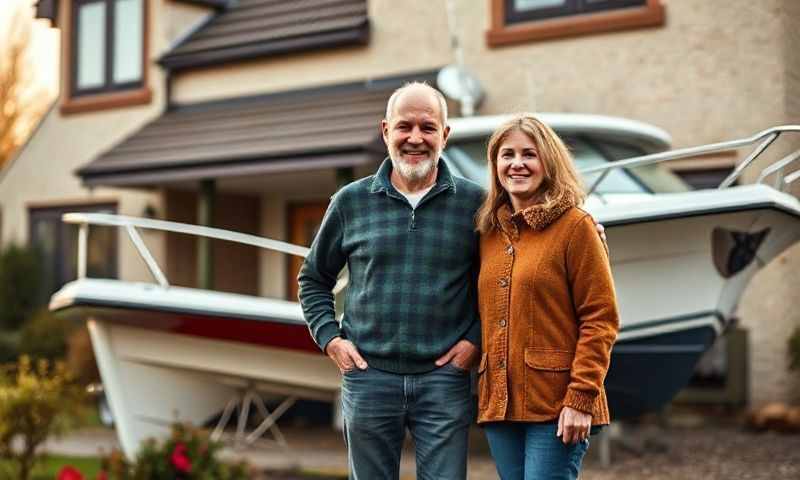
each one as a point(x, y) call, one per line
point(468, 159)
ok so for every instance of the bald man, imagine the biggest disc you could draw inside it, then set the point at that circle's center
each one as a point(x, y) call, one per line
point(410, 330)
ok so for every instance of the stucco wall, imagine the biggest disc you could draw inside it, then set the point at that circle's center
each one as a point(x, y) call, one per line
point(699, 76)
point(768, 308)
point(395, 27)
point(769, 311)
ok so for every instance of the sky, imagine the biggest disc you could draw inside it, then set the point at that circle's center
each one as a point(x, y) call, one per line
point(44, 43)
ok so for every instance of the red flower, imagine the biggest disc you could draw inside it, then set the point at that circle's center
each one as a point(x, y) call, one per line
point(102, 475)
point(69, 473)
point(179, 459)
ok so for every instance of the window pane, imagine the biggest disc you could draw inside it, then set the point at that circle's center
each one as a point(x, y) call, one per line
point(537, 4)
point(617, 181)
point(128, 32)
point(657, 177)
point(44, 235)
point(91, 45)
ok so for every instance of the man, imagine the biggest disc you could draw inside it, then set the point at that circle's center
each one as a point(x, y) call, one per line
point(410, 330)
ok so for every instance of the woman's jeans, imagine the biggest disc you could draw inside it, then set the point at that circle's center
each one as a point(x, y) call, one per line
point(527, 451)
point(378, 407)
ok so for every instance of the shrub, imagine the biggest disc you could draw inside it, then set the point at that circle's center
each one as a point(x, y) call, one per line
point(20, 286)
point(35, 403)
point(45, 336)
point(188, 454)
point(9, 347)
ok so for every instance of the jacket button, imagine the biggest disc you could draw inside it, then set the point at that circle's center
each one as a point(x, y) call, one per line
point(503, 282)
point(502, 364)
point(502, 323)
point(510, 250)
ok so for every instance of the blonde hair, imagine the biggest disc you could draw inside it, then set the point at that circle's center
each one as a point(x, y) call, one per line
point(561, 180)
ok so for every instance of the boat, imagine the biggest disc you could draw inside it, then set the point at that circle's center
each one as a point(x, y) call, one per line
point(680, 260)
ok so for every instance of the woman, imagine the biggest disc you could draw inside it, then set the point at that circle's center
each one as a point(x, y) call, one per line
point(547, 305)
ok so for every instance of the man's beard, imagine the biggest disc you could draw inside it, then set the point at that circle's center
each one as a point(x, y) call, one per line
point(417, 172)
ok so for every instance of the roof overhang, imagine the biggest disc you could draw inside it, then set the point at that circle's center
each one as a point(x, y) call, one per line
point(189, 173)
point(323, 128)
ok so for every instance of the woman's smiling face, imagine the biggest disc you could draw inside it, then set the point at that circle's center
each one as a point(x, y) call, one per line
point(519, 169)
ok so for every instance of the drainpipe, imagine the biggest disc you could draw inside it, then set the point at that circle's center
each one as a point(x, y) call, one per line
point(205, 217)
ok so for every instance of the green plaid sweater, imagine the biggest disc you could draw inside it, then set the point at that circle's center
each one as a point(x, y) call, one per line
point(412, 292)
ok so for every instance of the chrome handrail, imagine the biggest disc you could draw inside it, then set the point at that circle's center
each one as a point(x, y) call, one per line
point(130, 224)
point(765, 137)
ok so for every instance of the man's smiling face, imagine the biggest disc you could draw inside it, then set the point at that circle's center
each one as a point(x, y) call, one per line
point(415, 133)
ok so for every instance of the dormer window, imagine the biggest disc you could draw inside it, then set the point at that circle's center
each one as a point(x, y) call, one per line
point(107, 55)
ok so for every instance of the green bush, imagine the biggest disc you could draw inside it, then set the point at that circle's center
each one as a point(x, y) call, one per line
point(9, 347)
point(45, 335)
point(188, 454)
point(20, 286)
point(35, 403)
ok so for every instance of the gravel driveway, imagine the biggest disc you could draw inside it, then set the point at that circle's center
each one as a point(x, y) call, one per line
point(706, 451)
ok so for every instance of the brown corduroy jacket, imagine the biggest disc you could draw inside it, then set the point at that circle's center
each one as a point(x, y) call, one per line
point(548, 315)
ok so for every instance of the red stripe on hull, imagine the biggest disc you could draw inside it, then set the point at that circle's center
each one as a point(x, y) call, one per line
point(254, 332)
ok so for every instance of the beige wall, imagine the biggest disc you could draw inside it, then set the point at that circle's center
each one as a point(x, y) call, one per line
point(705, 66)
point(422, 22)
point(769, 311)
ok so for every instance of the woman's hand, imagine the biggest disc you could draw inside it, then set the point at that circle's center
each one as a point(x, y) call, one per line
point(573, 425)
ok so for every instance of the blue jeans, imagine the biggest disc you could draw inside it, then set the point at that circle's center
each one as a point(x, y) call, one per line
point(526, 451)
point(379, 406)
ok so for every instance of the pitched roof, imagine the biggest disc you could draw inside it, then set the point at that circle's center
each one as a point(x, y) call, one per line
point(255, 28)
point(321, 128)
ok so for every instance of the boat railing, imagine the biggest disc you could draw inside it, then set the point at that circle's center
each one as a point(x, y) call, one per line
point(131, 225)
point(761, 140)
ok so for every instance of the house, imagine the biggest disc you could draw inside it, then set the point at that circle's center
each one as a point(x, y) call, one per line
point(247, 114)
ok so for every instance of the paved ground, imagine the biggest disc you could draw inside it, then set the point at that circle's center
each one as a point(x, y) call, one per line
point(702, 450)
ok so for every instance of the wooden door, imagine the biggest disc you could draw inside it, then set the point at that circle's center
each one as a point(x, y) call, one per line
point(304, 222)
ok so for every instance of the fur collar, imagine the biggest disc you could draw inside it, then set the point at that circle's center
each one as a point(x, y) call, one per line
point(537, 217)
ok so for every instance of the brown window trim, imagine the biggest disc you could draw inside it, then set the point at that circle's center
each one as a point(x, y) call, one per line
point(105, 101)
point(72, 104)
point(650, 15)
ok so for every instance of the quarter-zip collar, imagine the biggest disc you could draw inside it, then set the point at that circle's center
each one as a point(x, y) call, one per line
point(382, 181)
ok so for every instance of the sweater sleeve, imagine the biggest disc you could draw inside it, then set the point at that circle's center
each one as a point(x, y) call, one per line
point(473, 334)
point(594, 301)
point(318, 277)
